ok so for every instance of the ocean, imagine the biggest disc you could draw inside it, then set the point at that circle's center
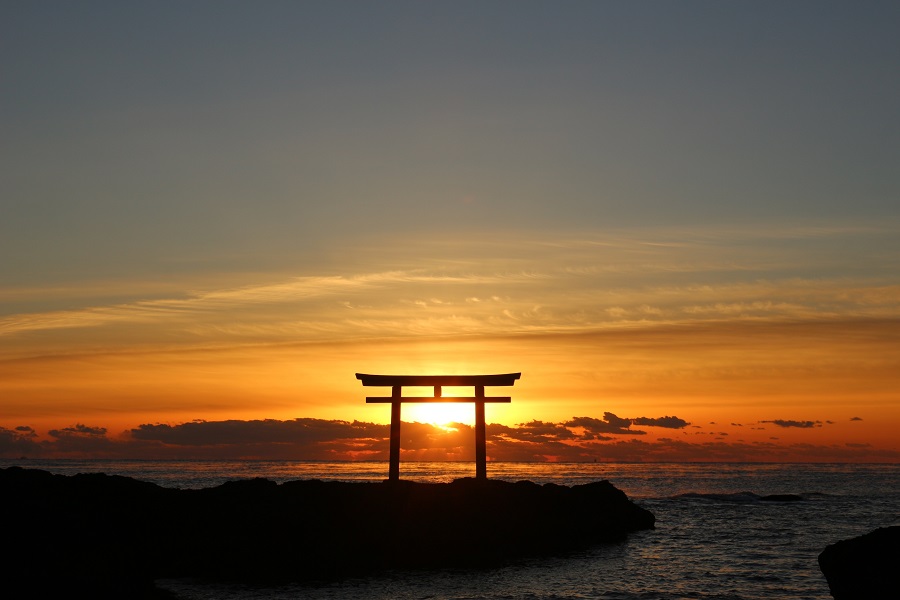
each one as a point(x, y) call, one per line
point(714, 538)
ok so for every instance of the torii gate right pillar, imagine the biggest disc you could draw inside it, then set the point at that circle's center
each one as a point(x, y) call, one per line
point(394, 469)
point(480, 435)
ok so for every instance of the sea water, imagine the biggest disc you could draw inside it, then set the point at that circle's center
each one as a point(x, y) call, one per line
point(714, 537)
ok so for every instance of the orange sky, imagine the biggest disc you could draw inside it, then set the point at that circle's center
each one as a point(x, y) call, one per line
point(812, 387)
point(687, 241)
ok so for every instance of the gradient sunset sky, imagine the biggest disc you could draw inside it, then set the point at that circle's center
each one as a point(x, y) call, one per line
point(680, 221)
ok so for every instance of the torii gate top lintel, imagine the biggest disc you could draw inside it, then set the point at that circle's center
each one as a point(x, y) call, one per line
point(429, 380)
point(396, 399)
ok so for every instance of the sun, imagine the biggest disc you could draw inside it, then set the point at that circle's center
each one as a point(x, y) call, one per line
point(440, 414)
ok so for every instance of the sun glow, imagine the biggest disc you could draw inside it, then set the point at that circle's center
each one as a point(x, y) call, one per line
point(445, 414)
point(441, 414)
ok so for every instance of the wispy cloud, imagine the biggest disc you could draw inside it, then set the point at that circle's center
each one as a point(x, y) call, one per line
point(196, 303)
point(506, 286)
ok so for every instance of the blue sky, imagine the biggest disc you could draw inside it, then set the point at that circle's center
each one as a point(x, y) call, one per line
point(158, 137)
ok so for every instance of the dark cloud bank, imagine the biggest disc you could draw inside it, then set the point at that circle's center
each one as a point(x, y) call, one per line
point(798, 424)
point(611, 438)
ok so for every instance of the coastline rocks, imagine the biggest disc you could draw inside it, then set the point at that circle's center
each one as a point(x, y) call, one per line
point(865, 567)
point(115, 535)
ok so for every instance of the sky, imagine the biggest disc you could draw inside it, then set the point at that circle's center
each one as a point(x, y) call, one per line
point(679, 221)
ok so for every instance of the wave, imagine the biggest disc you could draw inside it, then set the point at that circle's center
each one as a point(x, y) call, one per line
point(742, 497)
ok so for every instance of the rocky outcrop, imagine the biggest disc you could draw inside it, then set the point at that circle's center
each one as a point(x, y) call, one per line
point(865, 567)
point(115, 535)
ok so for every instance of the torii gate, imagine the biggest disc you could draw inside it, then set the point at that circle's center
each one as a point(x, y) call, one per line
point(396, 383)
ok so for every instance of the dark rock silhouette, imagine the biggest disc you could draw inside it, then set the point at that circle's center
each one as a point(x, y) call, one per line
point(865, 567)
point(114, 535)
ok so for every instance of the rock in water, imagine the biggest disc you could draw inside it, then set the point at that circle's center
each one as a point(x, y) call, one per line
point(114, 535)
point(865, 567)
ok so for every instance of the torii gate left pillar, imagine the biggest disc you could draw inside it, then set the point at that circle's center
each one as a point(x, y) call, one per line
point(479, 382)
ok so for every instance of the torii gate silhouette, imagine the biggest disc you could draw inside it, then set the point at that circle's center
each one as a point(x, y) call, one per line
point(396, 383)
